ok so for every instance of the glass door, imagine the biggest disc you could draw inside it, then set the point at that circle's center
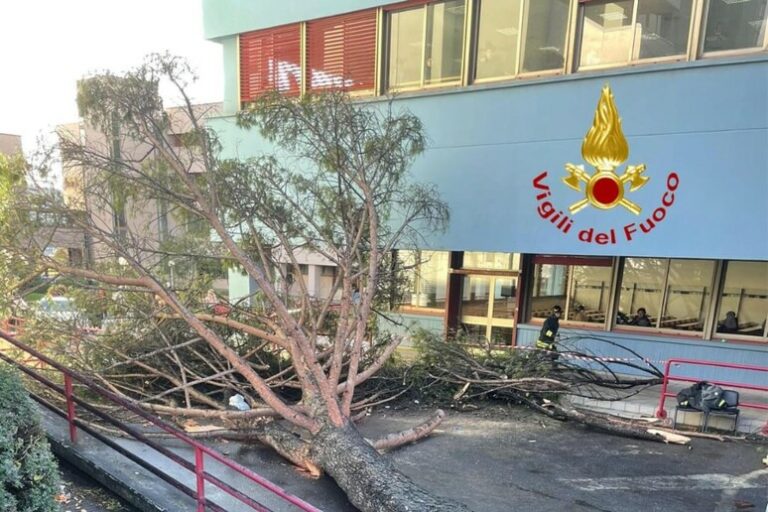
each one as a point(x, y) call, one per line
point(488, 306)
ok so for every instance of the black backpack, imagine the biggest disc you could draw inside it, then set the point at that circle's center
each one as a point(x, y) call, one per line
point(702, 396)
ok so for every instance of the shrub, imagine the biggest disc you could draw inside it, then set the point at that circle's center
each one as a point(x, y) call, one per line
point(28, 472)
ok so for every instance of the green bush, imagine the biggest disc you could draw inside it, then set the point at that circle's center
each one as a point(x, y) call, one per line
point(29, 476)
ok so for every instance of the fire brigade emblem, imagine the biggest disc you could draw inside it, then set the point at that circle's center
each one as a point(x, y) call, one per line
point(605, 148)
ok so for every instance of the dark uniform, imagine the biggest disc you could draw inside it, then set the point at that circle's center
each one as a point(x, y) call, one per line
point(548, 332)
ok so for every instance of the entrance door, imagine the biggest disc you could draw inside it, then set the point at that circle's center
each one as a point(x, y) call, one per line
point(488, 305)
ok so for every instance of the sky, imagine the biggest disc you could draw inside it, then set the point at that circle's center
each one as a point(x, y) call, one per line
point(47, 45)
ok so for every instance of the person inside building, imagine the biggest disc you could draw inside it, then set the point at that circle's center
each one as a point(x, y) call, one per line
point(580, 315)
point(730, 324)
point(549, 330)
point(641, 319)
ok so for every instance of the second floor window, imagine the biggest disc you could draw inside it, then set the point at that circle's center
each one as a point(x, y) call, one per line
point(426, 45)
point(270, 60)
point(341, 52)
point(734, 25)
point(617, 33)
point(520, 36)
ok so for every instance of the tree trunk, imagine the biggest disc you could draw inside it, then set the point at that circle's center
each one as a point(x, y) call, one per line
point(369, 479)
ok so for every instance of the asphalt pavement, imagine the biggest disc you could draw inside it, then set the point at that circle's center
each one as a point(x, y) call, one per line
point(518, 461)
point(500, 459)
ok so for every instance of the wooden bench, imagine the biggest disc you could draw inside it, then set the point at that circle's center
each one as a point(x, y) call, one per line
point(690, 326)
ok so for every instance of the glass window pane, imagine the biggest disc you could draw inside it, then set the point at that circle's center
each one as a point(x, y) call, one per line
point(688, 291)
point(545, 28)
point(732, 25)
point(745, 294)
point(504, 297)
point(425, 275)
point(549, 285)
point(406, 48)
point(606, 33)
point(590, 294)
point(498, 38)
point(475, 295)
point(444, 42)
point(501, 335)
point(492, 260)
point(642, 287)
point(662, 28)
point(474, 333)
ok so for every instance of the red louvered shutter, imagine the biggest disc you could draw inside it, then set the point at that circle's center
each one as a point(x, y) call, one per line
point(270, 60)
point(341, 52)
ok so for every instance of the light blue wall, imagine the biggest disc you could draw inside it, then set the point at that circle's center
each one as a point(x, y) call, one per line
point(659, 349)
point(404, 324)
point(227, 17)
point(707, 121)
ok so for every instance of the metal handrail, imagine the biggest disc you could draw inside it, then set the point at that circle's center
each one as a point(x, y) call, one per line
point(200, 449)
point(662, 413)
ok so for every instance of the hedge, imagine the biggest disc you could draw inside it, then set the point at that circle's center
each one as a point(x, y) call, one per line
point(29, 478)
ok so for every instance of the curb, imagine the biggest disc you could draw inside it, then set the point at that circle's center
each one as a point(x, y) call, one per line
point(123, 490)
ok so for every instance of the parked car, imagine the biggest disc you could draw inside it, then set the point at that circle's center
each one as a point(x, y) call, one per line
point(61, 309)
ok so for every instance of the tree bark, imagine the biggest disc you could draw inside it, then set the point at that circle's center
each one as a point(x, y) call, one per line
point(371, 481)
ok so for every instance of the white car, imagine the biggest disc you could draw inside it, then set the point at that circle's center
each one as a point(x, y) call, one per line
point(61, 309)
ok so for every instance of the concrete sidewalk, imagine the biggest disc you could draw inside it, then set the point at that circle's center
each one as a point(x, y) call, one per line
point(148, 493)
point(645, 404)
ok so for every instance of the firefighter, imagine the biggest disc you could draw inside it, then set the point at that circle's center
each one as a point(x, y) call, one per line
point(548, 332)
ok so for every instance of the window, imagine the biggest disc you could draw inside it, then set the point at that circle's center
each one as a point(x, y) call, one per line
point(615, 33)
point(327, 271)
point(426, 275)
point(341, 52)
point(270, 60)
point(426, 45)
point(582, 289)
point(675, 294)
point(520, 36)
point(734, 25)
point(492, 260)
point(745, 295)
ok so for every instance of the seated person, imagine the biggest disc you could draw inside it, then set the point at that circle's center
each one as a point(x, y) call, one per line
point(641, 319)
point(580, 314)
point(730, 324)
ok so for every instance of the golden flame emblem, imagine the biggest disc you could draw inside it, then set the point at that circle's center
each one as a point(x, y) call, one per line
point(605, 148)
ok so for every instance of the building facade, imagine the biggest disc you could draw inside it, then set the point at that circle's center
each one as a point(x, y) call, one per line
point(148, 221)
point(604, 156)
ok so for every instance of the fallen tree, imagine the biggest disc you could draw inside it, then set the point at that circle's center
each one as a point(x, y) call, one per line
point(461, 370)
point(338, 187)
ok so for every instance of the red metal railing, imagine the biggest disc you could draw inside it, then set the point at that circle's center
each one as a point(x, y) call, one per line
point(662, 413)
point(201, 451)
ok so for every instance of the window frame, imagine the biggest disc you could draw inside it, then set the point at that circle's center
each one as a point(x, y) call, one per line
point(630, 62)
point(519, 74)
point(343, 20)
point(299, 27)
point(574, 261)
point(410, 308)
point(706, 329)
point(717, 308)
point(701, 54)
point(387, 46)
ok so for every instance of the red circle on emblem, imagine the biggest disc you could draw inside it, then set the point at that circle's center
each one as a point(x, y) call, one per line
point(605, 191)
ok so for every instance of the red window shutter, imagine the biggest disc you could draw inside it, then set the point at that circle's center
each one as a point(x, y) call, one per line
point(270, 60)
point(341, 52)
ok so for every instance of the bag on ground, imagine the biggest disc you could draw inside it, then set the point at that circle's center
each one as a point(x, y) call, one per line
point(703, 396)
